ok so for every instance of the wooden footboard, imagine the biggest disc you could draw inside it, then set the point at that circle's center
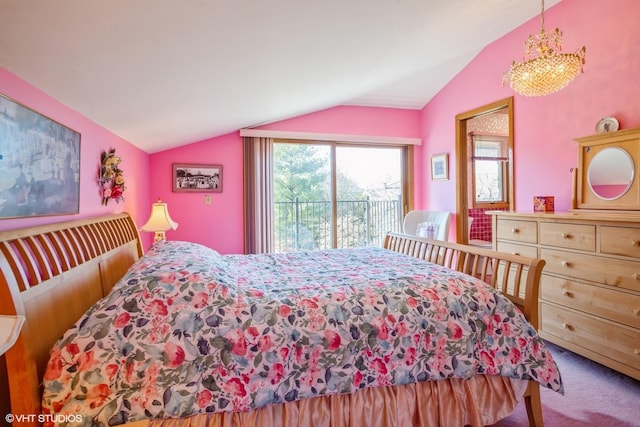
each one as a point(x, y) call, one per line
point(517, 277)
point(52, 274)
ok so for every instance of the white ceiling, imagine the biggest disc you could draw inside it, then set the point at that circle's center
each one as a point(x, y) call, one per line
point(163, 73)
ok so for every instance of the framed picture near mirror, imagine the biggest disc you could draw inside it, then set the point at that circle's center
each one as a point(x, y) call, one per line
point(440, 167)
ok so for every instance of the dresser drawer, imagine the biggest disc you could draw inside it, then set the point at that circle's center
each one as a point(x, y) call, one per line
point(608, 271)
point(611, 304)
point(516, 249)
point(611, 340)
point(570, 236)
point(517, 230)
point(620, 241)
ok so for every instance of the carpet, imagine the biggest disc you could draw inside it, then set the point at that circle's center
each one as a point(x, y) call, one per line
point(594, 396)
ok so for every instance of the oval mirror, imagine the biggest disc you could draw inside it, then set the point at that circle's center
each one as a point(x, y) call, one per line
point(610, 173)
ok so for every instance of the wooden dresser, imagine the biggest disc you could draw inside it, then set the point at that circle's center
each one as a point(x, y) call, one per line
point(590, 287)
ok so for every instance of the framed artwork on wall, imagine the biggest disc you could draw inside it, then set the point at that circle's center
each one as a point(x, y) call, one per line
point(196, 178)
point(440, 167)
point(39, 164)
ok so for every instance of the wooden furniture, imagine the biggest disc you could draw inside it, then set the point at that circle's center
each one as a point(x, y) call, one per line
point(607, 177)
point(590, 287)
point(515, 276)
point(52, 274)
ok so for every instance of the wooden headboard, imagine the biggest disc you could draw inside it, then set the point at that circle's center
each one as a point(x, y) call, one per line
point(52, 274)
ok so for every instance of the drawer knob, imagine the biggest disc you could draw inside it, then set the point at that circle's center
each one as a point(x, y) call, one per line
point(636, 276)
point(515, 230)
point(636, 351)
point(567, 294)
point(565, 263)
point(567, 326)
point(635, 243)
point(636, 312)
point(565, 235)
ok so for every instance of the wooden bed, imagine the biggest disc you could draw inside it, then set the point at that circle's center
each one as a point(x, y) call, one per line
point(515, 276)
point(53, 273)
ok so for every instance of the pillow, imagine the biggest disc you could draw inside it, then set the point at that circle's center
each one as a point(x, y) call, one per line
point(427, 229)
point(184, 258)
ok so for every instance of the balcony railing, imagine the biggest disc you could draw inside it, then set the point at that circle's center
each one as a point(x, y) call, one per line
point(301, 225)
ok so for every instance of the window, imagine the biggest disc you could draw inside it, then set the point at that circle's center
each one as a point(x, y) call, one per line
point(302, 196)
point(336, 195)
point(490, 171)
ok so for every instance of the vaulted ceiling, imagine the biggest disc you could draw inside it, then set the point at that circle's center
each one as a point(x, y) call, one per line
point(163, 73)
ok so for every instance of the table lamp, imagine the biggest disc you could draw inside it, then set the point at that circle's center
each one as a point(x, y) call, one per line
point(9, 330)
point(159, 221)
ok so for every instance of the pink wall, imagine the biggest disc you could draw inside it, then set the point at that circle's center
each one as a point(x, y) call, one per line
point(220, 225)
point(545, 126)
point(94, 139)
point(353, 120)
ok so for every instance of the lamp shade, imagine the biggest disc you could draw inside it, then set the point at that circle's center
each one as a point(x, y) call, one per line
point(9, 330)
point(159, 220)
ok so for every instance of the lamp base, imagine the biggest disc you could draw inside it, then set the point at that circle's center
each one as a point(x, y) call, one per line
point(159, 236)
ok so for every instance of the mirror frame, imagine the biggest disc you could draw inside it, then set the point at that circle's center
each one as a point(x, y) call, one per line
point(589, 147)
point(462, 186)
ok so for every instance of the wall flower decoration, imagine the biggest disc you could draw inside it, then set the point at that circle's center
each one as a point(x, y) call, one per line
point(111, 177)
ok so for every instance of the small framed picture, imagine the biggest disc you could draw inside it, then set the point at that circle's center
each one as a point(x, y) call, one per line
point(440, 167)
point(194, 178)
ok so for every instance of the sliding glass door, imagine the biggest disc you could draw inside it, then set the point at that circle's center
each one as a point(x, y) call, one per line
point(332, 195)
point(302, 188)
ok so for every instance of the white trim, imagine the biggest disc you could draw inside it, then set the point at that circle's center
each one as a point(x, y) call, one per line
point(283, 134)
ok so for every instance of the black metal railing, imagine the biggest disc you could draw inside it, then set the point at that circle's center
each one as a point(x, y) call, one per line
point(301, 225)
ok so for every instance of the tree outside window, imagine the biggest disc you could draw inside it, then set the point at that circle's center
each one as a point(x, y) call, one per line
point(330, 195)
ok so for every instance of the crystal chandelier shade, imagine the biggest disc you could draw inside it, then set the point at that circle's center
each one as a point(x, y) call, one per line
point(545, 69)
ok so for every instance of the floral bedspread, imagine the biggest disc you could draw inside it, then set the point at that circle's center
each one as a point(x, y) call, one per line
point(188, 331)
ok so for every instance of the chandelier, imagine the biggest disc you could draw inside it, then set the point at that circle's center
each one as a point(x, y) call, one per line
point(545, 69)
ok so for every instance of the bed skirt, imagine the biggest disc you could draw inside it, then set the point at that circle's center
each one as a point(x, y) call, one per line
point(479, 401)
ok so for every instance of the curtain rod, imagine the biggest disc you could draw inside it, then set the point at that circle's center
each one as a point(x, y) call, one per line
point(283, 134)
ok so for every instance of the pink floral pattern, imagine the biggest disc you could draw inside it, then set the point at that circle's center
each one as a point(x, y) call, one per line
point(189, 331)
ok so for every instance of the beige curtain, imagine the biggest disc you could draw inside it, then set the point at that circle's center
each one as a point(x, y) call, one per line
point(258, 194)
